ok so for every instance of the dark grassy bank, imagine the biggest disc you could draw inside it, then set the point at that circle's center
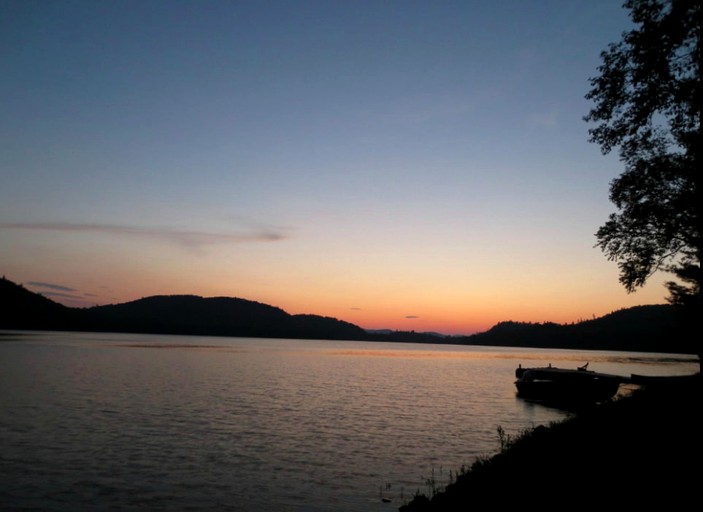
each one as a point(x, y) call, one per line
point(641, 450)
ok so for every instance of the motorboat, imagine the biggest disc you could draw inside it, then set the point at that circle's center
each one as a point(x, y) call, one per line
point(565, 386)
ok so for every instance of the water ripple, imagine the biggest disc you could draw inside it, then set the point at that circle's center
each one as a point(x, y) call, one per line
point(90, 421)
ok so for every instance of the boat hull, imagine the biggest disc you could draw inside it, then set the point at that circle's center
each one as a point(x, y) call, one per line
point(562, 386)
point(567, 392)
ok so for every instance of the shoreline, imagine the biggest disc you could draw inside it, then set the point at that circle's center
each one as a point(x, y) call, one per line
point(639, 449)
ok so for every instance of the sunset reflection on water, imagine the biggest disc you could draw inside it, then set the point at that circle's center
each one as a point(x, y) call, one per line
point(200, 421)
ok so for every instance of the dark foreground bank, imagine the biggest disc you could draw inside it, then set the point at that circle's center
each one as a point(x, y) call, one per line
point(642, 450)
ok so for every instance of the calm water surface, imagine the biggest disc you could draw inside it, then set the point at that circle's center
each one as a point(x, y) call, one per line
point(136, 422)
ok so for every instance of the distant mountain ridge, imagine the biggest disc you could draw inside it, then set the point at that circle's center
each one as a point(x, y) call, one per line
point(169, 314)
point(643, 328)
point(650, 328)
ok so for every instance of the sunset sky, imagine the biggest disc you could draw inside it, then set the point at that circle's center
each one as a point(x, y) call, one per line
point(414, 165)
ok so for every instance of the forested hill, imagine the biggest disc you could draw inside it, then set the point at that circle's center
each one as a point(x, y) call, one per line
point(176, 314)
point(643, 328)
point(652, 328)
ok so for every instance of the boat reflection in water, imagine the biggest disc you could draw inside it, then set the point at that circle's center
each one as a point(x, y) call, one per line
point(562, 386)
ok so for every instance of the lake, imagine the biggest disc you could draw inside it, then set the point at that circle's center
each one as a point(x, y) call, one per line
point(95, 421)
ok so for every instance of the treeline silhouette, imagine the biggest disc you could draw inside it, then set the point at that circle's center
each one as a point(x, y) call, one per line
point(644, 328)
point(176, 314)
point(652, 328)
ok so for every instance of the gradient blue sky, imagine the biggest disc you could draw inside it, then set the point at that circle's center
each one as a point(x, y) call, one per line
point(404, 164)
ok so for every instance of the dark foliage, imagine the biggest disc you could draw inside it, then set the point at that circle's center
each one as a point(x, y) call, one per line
point(653, 328)
point(647, 104)
point(188, 314)
point(23, 309)
point(323, 327)
point(637, 452)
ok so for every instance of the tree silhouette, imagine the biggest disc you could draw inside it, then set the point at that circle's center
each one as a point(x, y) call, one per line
point(647, 104)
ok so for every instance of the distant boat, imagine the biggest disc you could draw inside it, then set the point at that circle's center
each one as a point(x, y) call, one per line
point(565, 386)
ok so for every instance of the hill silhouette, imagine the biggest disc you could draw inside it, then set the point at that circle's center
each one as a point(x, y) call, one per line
point(644, 328)
point(169, 314)
point(23, 309)
point(651, 328)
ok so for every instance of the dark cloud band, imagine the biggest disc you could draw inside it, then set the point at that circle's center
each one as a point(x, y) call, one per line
point(50, 286)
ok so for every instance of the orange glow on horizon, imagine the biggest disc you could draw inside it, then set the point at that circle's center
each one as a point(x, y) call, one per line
point(446, 306)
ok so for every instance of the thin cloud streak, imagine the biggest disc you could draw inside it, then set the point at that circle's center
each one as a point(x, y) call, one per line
point(187, 238)
point(50, 286)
